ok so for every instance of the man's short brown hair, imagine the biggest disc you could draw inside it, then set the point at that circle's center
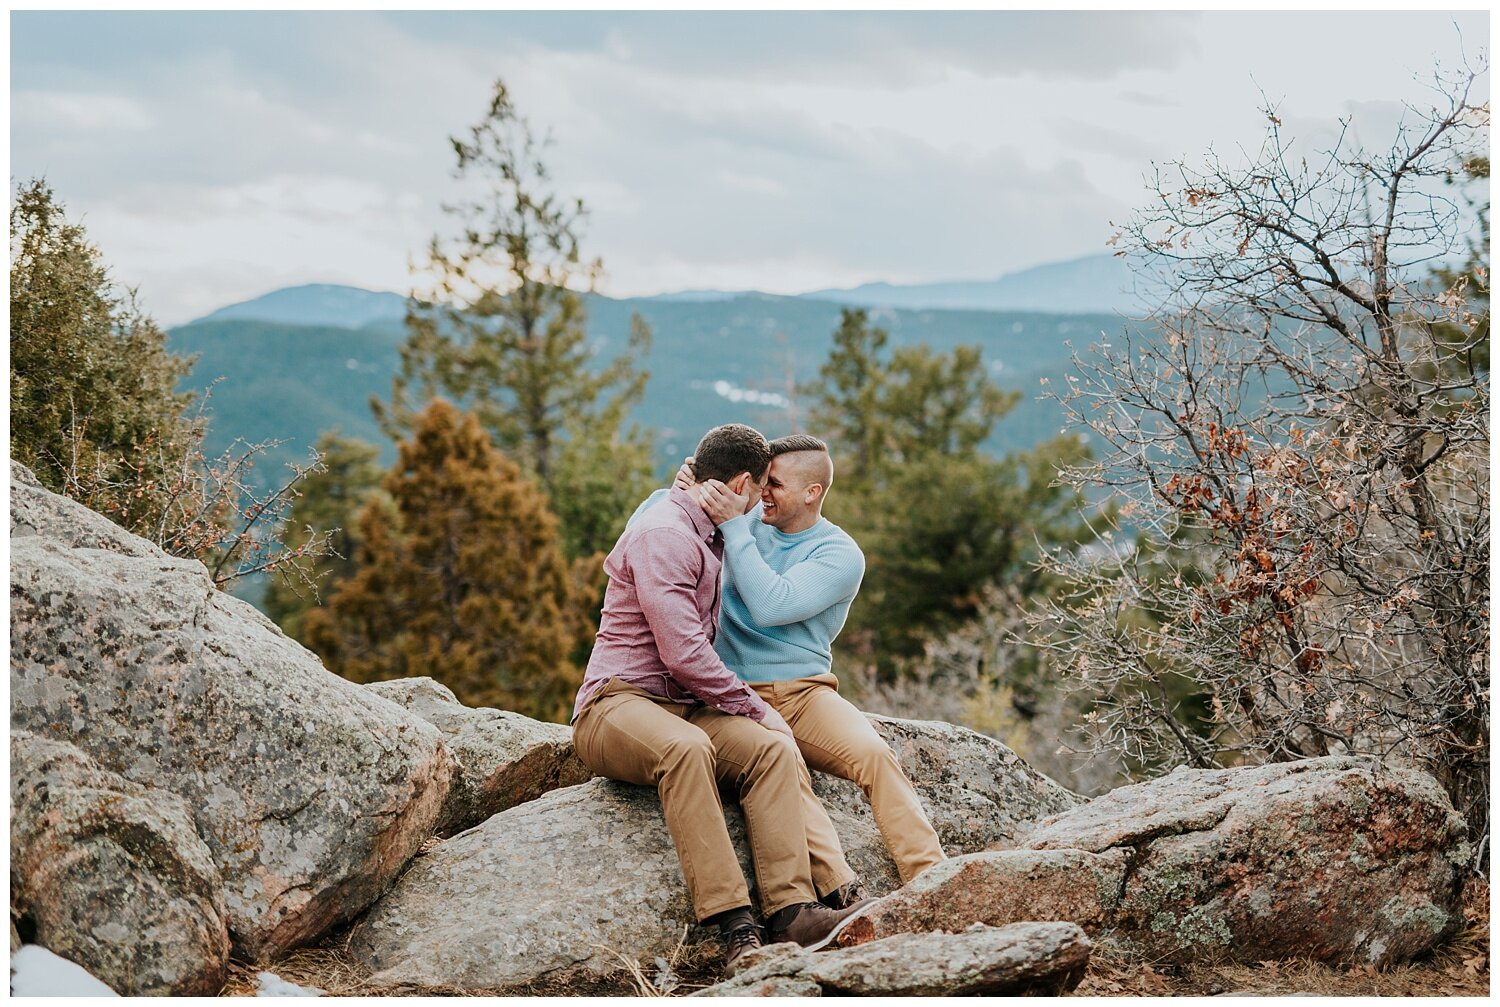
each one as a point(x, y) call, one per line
point(726, 451)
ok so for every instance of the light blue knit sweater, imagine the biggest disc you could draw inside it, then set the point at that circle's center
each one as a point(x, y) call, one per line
point(785, 597)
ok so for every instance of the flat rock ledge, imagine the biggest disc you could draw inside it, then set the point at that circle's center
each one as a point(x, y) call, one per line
point(501, 758)
point(1338, 859)
point(1037, 958)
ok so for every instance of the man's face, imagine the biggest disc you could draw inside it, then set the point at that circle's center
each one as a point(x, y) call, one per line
point(783, 498)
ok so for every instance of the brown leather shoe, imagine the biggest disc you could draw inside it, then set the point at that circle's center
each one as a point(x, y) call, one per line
point(812, 924)
point(738, 940)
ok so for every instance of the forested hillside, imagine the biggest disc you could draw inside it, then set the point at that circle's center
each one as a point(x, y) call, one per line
point(710, 362)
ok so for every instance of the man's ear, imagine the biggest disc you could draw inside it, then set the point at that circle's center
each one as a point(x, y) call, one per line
point(737, 484)
point(813, 493)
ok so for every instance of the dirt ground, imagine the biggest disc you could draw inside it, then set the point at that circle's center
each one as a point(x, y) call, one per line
point(1459, 968)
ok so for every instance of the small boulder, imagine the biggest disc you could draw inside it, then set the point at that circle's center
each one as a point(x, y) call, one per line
point(1037, 958)
point(501, 758)
point(554, 886)
point(111, 875)
point(976, 791)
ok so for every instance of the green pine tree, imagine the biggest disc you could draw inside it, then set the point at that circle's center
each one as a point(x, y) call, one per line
point(503, 332)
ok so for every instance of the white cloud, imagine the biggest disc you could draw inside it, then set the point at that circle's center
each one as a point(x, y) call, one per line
point(78, 110)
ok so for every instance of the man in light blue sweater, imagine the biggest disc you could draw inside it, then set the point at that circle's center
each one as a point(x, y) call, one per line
point(789, 577)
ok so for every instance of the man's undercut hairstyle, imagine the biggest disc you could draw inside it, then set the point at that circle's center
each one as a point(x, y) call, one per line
point(796, 442)
point(793, 443)
point(726, 451)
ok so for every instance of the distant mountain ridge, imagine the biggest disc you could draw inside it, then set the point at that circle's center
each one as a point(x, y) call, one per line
point(314, 304)
point(1095, 284)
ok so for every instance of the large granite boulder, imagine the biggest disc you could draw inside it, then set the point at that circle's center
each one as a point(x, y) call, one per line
point(501, 758)
point(977, 793)
point(111, 874)
point(310, 792)
point(554, 886)
point(1036, 958)
point(1339, 859)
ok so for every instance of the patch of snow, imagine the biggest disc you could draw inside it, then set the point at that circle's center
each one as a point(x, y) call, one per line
point(269, 984)
point(37, 972)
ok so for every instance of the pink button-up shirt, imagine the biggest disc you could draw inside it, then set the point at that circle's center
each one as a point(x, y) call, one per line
point(661, 612)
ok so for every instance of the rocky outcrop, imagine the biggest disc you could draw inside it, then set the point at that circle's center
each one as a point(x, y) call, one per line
point(554, 886)
point(309, 792)
point(187, 781)
point(977, 793)
point(112, 875)
point(501, 758)
point(1336, 859)
point(1037, 958)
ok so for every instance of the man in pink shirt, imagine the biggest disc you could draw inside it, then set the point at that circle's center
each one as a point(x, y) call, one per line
point(658, 707)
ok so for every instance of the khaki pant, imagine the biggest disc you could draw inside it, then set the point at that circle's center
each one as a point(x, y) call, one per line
point(836, 738)
point(628, 734)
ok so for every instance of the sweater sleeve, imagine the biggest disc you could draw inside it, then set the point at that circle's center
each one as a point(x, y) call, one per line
point(831, 574)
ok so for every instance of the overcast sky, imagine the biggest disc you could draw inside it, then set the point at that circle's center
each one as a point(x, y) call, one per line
point(215, 157)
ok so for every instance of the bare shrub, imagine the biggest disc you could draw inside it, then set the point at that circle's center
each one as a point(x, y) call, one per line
point(190, 505)
point(1299, 439)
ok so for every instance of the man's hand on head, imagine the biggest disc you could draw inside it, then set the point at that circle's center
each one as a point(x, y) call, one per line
point(685, 479)
point(720, 502)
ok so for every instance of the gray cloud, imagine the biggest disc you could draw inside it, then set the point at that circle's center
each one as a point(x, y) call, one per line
point(875, 49)
point(217, 155)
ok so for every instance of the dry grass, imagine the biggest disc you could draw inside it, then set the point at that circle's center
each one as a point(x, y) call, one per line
point(1461, 967)
point(331, 969)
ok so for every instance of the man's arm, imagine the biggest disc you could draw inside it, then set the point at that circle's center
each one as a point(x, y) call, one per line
point(666, 567)
point(810, 587)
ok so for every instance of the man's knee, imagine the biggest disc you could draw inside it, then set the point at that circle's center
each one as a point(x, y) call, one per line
point(686, 752)
point(771, 753)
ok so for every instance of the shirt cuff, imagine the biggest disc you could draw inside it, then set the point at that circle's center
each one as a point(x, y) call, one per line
point(758, 708)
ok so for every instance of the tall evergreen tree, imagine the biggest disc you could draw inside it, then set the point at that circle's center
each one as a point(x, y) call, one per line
point(461, 578)
point(329, 501)
point(503, 332)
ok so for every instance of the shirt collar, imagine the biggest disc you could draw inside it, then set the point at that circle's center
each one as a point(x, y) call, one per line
point(702, 523)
